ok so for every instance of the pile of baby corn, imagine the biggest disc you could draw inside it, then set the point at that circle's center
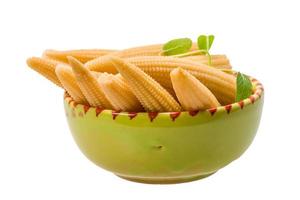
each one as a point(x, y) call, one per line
point(139, 79)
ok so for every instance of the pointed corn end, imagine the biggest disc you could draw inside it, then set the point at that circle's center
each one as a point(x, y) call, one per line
point(34, 62)
point(30, 60)
point(61, 67)
point(73, 61)
point(117, 62)
point(76, 65)
point(179, 72)
point(121, 65)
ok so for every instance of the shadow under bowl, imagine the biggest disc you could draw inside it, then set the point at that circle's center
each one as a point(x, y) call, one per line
point(171, 147)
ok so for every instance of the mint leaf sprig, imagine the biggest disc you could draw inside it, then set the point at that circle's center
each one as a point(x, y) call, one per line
point(180, 47)
point(243, 87)
point(177, 46)
point(204, 43)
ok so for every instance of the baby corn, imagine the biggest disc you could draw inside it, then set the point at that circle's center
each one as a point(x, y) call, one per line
point(222, 85)
point(89, 85)
point(67, 79)
point(83, 55)
point(148, 50)
point(191, 93)
point(45, 67)
point(118, 93)
point(152, 96)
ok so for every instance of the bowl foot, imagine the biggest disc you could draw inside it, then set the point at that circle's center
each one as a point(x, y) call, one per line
point(165, 180)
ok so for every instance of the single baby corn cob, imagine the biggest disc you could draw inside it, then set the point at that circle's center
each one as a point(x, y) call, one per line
point(67, 78)
point(148, 50)
point(118, 93)
point(45, 67)
point(89, 85)
point(191, 93)
point(83, 55)
point(152, 96)
point(222, 85)
point(218, 61)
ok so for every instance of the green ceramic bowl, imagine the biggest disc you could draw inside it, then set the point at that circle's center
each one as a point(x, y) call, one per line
point(168, 147)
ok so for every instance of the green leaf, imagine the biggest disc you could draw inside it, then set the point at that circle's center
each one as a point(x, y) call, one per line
point(205, 42)
point(243, 87)
point(177, 46)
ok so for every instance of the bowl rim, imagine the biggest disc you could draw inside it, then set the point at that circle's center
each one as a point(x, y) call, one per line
point(256, 95)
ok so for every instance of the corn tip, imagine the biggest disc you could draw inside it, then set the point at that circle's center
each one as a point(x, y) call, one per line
point(176, 71)
point(29, 61)
point(76, 65)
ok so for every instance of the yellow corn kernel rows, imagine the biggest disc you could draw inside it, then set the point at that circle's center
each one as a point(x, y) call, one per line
point(45, 67)
point(138, 79)
point(118, 93)
point(89, 85)
point(151, 94)
point(67, 78)
point(159, 68)
point(186, 85)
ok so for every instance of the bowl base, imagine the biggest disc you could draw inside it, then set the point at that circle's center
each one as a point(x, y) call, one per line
point(165, 180)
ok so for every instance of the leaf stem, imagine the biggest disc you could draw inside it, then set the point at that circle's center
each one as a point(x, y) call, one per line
point(164, 51)
point(191, 53)
point(209, 58)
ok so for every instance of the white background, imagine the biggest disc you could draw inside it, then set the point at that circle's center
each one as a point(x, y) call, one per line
point(38, 157)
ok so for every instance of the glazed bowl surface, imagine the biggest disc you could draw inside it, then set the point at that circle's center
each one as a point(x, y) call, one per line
point(170, 147)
